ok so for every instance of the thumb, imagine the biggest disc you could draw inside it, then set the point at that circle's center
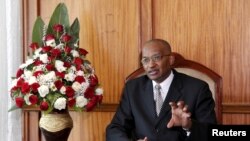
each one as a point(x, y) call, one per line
point(170, 123)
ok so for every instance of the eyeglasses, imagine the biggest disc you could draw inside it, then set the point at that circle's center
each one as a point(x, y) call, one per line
point(154, 58)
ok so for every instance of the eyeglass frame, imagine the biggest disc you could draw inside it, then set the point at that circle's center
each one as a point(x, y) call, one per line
point(154, 58)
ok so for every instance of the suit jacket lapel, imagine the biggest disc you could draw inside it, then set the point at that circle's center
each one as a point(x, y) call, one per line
point(173, 95)
point(149, 99)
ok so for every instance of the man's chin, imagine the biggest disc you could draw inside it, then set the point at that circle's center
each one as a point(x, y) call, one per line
point(153, 77)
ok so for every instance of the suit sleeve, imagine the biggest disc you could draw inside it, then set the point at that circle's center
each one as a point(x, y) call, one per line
point(122, 123)
point(204, 115)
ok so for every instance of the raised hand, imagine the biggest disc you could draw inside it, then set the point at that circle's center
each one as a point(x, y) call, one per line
point(145, 139)
point(180, 115)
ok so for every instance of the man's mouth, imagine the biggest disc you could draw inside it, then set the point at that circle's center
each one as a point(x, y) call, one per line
point(153, 72)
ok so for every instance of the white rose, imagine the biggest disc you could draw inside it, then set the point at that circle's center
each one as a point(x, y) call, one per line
point(37, 53)
point(85, 85)
point(32, 80)
point(22, 66)
point(43, 90)
point(27, 74)
point(14, 82)
point(72, 69)
point(39, 68)
point(76, 86)
point(99, 91)
point(60, 46)
point(53, 87)
point(74, 53)
point(51, 43)
point(60, 103)
point(70, 77)
point(44, 58)
point(29, 61)
point(81, 101)
point(59, 66)
point(63, 90)
point(80, 73)
point(51, 76)
point(26, 99)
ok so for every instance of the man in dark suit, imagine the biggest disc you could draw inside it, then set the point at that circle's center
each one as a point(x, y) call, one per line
point(182, 112)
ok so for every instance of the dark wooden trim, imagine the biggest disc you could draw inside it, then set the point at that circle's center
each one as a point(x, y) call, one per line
point(236, 108)
point(105, 107)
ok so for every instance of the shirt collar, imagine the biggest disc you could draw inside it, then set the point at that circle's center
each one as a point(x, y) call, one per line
point(165, 84)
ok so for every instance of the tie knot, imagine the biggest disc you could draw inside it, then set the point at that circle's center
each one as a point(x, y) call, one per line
point(157, 87)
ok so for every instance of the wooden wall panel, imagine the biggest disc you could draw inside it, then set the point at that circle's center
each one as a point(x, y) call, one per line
point(236, 119)
point(109, 30)
point(215, 33)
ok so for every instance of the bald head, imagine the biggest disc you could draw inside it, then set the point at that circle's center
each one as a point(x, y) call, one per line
point(159, 42)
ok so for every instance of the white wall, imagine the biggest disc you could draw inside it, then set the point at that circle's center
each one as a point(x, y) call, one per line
point(10, 59)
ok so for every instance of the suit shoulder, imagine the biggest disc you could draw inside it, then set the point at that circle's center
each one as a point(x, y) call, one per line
point(191, 79)
point(138, 80)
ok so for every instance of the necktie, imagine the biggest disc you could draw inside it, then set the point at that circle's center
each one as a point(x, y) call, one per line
point(158, 99)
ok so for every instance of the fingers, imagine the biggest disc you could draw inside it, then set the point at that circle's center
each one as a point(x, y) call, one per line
point(179, 105)
point(173, 105)
point(170, 123)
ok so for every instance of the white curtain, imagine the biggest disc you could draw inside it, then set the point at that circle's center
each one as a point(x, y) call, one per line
point(10, 59)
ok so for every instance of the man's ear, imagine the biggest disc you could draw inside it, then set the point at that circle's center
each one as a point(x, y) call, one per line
point(171, 60)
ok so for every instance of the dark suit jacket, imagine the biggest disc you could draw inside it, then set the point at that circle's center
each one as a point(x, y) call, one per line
point(136, 115)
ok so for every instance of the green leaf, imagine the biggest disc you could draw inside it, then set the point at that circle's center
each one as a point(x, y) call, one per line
point(14, 107)
point(74, 30)
point(53, 97)
point(37, 33)
point(59, 16)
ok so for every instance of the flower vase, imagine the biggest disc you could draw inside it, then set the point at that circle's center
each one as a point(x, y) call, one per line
point(56, 126)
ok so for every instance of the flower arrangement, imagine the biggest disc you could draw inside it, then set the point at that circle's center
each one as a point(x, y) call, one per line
point(57, 75)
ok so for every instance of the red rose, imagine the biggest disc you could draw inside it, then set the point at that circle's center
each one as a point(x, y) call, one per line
point(19, 102)
point(33, 99)
point(46, 48)
point(93, 80)
point(49, 37)
point(37, 73)
point(55, 52)
point(19, 73)
point(34, 87)
point(78, 61)
point(67, 64)
point(91, 104)
point(66, 37)
point(34, 46)
point(70, 91)
point(44, 106)
point(58, 84)
point(79, 79)
point(20, 82)
point(25, 88)
point(89, 93)
point(50, 67)
point(58, 28)
point(60, 74)
point(38, 62)
point(13, 89)
point(71, 102)
point(99, 97)
point(83, 51)
point(67, 49)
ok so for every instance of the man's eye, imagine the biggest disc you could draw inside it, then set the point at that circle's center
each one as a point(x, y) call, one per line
point(156, 58)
